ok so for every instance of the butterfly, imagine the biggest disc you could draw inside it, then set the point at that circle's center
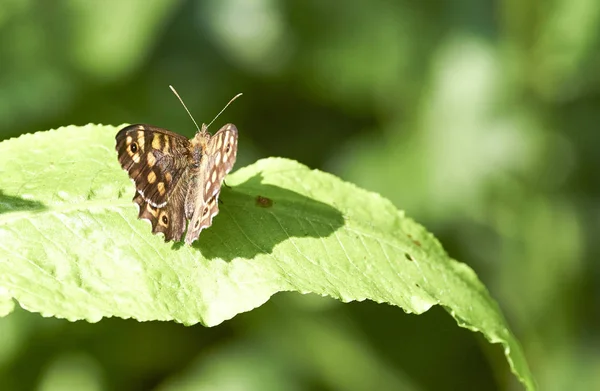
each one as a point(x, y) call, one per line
point(177, 180)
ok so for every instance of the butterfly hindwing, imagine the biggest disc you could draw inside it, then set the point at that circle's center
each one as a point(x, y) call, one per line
point(155, 160)
point(170, 220)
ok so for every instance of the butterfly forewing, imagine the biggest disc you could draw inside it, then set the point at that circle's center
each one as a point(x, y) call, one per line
point(216, 162)
point(155, 160)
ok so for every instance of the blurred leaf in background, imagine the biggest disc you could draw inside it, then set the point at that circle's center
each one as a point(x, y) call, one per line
point(479, 118)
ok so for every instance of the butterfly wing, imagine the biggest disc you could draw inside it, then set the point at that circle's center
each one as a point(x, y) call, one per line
point(170, 219)
point(202, 203)
point(155, 160)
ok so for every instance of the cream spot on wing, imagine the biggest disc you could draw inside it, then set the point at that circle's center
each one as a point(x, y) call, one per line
point(161, 188)
point(218, 156)
point(140, 139)
point(151, 159)
point(214, 175)
point(151, 210)
point(225, 156)
point(136, 157)
point(168, 177)
point(156, 141)
point(151, 177)
point(207, 186)
point(128, 140)
point(166, 146)
point(219, 142)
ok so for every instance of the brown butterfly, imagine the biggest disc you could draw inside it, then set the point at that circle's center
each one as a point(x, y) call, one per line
point(177, 179)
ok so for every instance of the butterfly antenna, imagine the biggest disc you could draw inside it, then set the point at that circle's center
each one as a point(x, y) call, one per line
point(221, 112)
point(185, 107)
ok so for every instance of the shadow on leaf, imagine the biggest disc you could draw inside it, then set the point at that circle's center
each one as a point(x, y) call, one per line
point(254, 217)
point(10, 203)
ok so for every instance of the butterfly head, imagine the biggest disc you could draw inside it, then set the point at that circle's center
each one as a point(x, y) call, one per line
point(200, 140)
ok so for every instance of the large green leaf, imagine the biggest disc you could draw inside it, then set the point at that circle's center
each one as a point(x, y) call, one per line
point(71, 246)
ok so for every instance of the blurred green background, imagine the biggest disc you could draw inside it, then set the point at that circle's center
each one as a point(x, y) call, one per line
point(481, 119)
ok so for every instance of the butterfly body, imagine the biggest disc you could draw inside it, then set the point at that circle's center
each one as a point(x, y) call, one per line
point(177, 179)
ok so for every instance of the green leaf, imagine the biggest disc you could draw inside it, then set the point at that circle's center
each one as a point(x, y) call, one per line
point(71, 246)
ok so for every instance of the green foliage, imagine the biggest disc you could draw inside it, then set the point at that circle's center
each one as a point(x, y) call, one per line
point(71, 246)
point(480, 119)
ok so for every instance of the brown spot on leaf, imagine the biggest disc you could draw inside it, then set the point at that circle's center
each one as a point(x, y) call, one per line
point(414, 240)
point(264, 202)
